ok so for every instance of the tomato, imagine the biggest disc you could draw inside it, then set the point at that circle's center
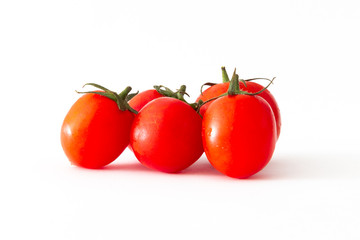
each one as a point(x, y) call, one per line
point(212, 92)
point(141, 99)
point(95, 131)
point(166, 135)
point(239, 134)
point(251, 87)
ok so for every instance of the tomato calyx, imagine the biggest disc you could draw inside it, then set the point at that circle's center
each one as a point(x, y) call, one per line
point(178, 94)
point(121, 99)
point(167, 92)
point(234, 87)
point(225, 79)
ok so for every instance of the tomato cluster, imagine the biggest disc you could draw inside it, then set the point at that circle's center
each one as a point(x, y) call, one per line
point(236, 123)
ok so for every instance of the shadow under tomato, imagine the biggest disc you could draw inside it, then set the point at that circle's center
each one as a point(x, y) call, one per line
point(135, 166)
point(311, 166)
point(204, 168)
point(201, 167)
point(281, 167)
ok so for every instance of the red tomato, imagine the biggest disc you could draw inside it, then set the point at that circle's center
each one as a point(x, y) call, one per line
point(211, 92)
point(166, 135)
point(252, 87)
point(95, 132)
point(239, 135)
point(141, 99)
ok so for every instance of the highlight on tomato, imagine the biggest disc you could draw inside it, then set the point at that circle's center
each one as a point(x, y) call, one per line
point(166, 133)
point(239, 132)
point(248, 85)
point(96, 129)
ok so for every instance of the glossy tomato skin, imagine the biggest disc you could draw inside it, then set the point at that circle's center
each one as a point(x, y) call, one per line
point(166, 135)
point(95, 132)
point(211, 92)
point(251, 87)
point(141, 99)
point(239, 135)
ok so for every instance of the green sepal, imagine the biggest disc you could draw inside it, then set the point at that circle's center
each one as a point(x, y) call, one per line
point(258, 92)
point(224, 74)
point(97, 86)
point(165, 91)
point(105, 94)
point(120, 98)
point(206, 84)
point(179, 94)
point(253, 79)
point(131, 96)
point(234, 87)
point(234, 75)
point(244, 82)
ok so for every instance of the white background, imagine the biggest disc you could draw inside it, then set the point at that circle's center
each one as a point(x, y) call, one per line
point(310, 189)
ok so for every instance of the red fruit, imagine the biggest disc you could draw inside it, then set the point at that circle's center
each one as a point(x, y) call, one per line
point(166, 135)
point(141, 99)
point(95, 131)
point(252, 87)
point(239, 134)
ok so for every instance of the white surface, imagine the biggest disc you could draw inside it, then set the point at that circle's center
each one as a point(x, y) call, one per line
point(310, 189)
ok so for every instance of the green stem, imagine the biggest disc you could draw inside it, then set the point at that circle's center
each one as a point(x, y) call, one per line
point(234, 87)
point(180, 93)
point(225, 76)
point(125, 92)
point(234, 75)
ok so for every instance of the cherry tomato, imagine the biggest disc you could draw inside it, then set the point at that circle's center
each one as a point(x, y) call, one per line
point(141, 99)
point(251, 87)
point(95, 132)
point(166, 135)
point(212, 92)
point(239, 134)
